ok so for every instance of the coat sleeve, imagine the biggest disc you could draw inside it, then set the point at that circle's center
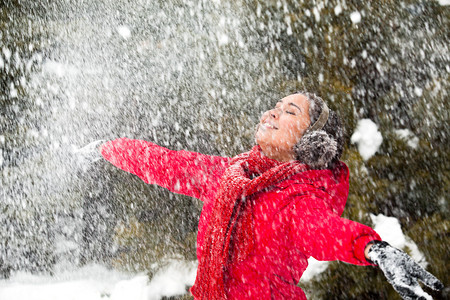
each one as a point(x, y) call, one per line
point(183, 172)
point(320, 233)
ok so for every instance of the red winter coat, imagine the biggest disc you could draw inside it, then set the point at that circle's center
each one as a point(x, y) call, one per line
point(294, 220)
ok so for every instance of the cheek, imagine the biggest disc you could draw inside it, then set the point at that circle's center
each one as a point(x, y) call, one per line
point(296, 131)
point(302, 126)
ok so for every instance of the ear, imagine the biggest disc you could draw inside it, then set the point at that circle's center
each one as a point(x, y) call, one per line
point(316, 149)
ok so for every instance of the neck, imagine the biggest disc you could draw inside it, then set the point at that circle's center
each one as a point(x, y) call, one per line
point(277, 154)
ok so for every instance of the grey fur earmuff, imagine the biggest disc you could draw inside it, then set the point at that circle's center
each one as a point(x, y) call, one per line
point(317, 148)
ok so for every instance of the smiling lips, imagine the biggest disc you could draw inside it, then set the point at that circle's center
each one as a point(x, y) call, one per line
point(269, 126)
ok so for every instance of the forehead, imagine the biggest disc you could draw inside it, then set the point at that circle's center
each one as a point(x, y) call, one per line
point(297, 99)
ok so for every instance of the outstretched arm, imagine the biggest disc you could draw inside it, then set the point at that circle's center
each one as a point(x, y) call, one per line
point(183, 172)
point(324, 235)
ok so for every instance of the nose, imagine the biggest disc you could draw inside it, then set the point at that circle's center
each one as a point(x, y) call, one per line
point(274, 113)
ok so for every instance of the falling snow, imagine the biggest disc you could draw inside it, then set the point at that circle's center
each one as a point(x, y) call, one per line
point(197, 76)
point(124, 31)
point(355, 17)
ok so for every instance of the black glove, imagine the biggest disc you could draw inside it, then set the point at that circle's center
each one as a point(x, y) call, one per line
point(402, 272)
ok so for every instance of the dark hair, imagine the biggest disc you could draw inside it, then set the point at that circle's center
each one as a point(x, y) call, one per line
point(323, 148)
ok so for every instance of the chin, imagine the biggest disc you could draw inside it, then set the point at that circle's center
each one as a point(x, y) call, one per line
point(262, 140)
point(257, 135)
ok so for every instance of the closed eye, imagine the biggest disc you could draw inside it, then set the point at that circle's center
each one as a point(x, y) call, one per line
point(291, 113)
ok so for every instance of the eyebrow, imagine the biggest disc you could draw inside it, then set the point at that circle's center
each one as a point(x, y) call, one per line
point(290, 103)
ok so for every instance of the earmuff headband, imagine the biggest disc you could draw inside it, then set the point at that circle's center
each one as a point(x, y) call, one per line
point(322, 120)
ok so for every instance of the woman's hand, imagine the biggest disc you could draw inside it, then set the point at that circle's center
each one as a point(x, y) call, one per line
point(87, 155)
point(401, 271)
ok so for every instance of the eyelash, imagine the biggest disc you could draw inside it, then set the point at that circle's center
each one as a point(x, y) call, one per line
point(288, 112)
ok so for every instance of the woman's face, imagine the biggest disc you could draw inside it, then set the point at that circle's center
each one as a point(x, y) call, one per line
point(283, 126)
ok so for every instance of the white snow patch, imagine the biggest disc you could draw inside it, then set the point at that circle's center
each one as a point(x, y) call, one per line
point(72, 102)
point(444, 2)
point(124, 31)
point(33, 133)
point(90, 282)
point(364, 54)
point(390, 231)
point(223, 39)
point(58, 69)
point(308, 33)
point(287, 20)
point(320, 77)
point(315, 267)
point(355, 17)
point(418, 91)
point(39, 102)
point(316, 14)
point(289, 30)
point(7, 53)
point(337, 9)
point(134, 288)
point(367, 137)
point(406, 135)
point(96, 282)
point(1, 157)
point(173, 279)
point(13, 91)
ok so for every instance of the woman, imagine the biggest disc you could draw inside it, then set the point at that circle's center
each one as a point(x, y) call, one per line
point(268, 210)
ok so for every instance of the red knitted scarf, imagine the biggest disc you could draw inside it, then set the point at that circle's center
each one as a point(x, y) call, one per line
point(229, 236)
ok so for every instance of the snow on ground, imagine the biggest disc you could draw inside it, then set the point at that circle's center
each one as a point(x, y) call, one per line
point(367, 137)
point(95, 282)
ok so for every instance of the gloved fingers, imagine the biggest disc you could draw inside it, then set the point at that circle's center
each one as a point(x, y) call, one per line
point(426, 277)
point(411, 292)
point(89, 147)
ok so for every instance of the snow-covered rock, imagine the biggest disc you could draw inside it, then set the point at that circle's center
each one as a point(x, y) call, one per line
point(406, 135)
point(367, 137)
point(390, 231)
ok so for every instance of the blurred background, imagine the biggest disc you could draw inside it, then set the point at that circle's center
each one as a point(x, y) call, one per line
point(197, 75)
